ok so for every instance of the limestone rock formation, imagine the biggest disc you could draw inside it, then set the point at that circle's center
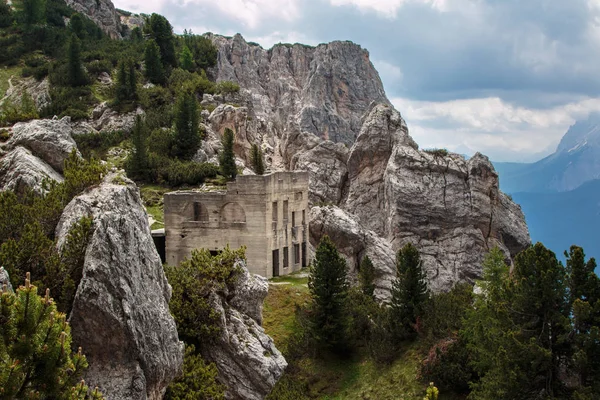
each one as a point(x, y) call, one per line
point(5, 280)
point(322, 91)
point(20, 170)
point(354, 242)
point(249, 364)
point(102, 12)
point(450, 208)
point(49, 140)
point(120, 314)
point(323, 110)
point(38, 90)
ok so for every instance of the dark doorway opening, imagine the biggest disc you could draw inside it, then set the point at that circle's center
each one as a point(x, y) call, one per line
point(304, 255)
point(276, 262)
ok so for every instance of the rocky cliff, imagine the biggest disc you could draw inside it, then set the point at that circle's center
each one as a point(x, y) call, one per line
point(248, 362)
point(323, 109)
point(120, 315)
point(102, 12)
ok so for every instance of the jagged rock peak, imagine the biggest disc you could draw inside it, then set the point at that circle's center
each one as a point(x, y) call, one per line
point(326, 89)
point(102, 12)
point(248, 362)
point(120, 314)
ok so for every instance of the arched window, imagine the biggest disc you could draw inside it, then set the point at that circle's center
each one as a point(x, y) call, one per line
point(233, 212)
point(200, 212)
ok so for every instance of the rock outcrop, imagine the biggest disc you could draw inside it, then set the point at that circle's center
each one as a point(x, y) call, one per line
point(102, 12)
point(5, 280)
point(450, 208)
point(248, 362)
point(20, 170)
point(321, 90)
point(47, 139)
point(120, 314)
point(38, 90)
point(323, 110)
point(354, 242)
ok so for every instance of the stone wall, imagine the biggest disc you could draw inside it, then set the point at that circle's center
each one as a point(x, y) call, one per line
point(264, 213)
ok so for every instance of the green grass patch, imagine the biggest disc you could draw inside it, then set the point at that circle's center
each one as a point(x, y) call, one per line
point(152, 197)
point(5, 74)
point(279, 310)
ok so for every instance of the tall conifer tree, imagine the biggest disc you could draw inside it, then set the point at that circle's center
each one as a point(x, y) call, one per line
point(227, 156)
point(409, 292)
point(76, 74)
point(154, 70)
point(328, 287)
point(187, 138)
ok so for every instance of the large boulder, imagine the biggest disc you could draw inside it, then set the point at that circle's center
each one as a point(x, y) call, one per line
point(47, 139)
point(20, 170)
point(451, 209)
point(355, 242)
point(248, 362)
point(120, 315)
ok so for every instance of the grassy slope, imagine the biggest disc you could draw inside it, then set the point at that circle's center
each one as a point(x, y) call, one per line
point(5, 74)
point(356, 378)
point(152, 196)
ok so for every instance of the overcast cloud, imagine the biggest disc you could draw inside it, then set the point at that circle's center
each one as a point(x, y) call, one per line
point(504, 77)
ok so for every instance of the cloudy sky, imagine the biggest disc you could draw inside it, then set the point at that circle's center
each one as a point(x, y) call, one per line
point(504, 77)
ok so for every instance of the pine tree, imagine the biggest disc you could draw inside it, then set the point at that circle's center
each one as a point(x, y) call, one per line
point(517, 331)
point(122, 88)
point(76, 25)
point(132, 81)
point(6, 15)
point(126, 86)
point(31, 12)
point(154, 71)
point(366, 276)
point(186, 59)
point(257, 160)
point(187, 139)
point(409, 292)
point(161, 31)
point(227, 157)
point(584, 290)
point(35, 355)
point(329, 289)
point(137, 164)
point(76, 74)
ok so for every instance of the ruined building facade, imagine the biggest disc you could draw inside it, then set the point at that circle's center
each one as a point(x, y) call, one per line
point(266, 213)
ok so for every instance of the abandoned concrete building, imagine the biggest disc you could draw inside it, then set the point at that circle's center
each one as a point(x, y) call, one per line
point(266, 213)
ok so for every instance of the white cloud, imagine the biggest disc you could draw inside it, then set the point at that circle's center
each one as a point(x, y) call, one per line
point(249, 12)
point(492, 126)
point(389, 8)
point(390, 74)
point(267, 41)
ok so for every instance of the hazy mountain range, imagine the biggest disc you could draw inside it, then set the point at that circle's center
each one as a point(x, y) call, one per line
point(560, 194)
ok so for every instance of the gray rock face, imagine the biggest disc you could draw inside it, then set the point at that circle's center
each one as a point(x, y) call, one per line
point(39, 91)
point(102, 12)
point(49, 140)
point(354, 242)
point(451, 209)
point(5, 280)
point(120, 314)
point(20, 170)
point(323, 110)
point(249, 364)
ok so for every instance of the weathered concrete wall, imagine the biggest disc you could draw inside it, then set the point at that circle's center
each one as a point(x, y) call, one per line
point(244, 216)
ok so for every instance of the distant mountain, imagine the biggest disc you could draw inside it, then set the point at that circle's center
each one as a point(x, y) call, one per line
point(576, 161)
point(561, 219)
